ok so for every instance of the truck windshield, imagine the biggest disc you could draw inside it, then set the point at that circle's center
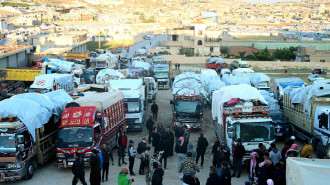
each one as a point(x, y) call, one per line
point(188, 106)
point(266, 89)
point(81, 136)
point(7, 141)
point(101, 64)
point(244, 65)
point(132, 107)
point(161, 75)
point(255, 132)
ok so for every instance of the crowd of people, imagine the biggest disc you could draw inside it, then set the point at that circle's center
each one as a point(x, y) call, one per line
point(266, 166)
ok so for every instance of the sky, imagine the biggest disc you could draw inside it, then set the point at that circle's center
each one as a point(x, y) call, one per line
point(267, 1)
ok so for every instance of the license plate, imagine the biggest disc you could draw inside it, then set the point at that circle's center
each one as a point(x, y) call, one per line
point(70, 163)
point(279, 134)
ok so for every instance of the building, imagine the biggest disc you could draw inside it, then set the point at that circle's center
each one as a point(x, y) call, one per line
point(13, 55)
point(199, 37)
point(54, 45)
point(309, 54)
point(3, 25)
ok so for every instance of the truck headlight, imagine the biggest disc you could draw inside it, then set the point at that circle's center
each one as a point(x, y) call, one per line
point(176, 123)
point(88, 154)
point(137, 121)
point(60, 155)
point(12, 166)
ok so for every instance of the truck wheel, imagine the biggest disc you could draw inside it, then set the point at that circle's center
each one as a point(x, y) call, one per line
point(30, 171)
point(318, 147)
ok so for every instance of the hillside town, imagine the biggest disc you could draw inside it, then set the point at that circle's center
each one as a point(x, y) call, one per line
point(165, 92)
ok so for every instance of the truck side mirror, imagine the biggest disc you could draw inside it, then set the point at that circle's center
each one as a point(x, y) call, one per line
point(231, 135)
point(172, 102)
point(21, 139)
point(231, 129)
point(20, 147)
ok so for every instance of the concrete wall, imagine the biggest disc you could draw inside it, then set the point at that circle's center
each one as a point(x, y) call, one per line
point(14, 59)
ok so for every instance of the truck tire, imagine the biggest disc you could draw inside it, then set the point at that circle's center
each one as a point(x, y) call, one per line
point(318, 147)
point(30, 171)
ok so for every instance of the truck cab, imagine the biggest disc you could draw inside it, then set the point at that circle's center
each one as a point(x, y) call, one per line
point(162, 75)
point(80, 131)
point(281, 124)
point(188, 110)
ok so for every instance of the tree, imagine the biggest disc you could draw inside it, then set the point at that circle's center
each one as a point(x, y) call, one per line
point(225, 50)
point(242, 54)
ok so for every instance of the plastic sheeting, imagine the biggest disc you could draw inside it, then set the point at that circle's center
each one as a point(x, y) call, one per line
point(146, 66)
point(273, 103)
point(105, 75)
point(224, 94)
point(126, 84)
point(242, 71)
point(305, 171)
point(216, 60)
point(189, 83)
point(34, 109)
point(46, 81)
point(64, 66)
point(235, 80)
point(259, 77)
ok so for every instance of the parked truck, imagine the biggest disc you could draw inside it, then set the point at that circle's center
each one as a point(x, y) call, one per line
point(151, 87)
point(162, 75)
point(87, 123)
point(51, 82)
point(281, 83)
point(216, 63)
point(106, 61)
point(308, 110)
point(189, 96)
point(240, 111)
point(28, 131)
point(240, 64)
point(261, 82)
point(135, 98)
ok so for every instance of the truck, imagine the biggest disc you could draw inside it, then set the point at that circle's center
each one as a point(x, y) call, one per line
point(240, 64)
point(162, 75)
point(151, 87)
point(87, 123)
point(261, 82)
point(135, 99)
point(216, 63)
point(281, 83)
point(307, 109)
point(15, 80)
point(27, 138)
point(106, 61)
point(189, 96)
point(51, 82)
point(240, 111)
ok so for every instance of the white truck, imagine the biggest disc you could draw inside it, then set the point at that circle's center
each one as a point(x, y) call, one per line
point(240, 111)
point(212, 81)
point(106, 61)
point(151, 87)
point(308, 110)
point(281, 83)
point(261, 82)
point(135, 101)
point(162, 74)
point(51, 82)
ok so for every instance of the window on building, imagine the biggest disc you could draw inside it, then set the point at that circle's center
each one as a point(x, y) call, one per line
point(199, 43)
point(186, 38)
point(211, 49)
point(200, 32)
point(175, 38)
point(322, 60)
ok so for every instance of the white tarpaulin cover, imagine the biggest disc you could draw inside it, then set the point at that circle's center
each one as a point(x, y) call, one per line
point(273, 104)
point(215, 60)
point(305, 94)
point(208, 72)
point(259, 77)
point(63, 66)
point(108, 74)
point(126, 84)
point(146, 66)
point(189, 83)
point(224, 94)
point(242, 71)
point(33, 109)
point(305, 171)
point(235, 80)
point(46, 81)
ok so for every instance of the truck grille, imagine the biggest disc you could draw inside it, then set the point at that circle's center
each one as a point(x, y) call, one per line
point(162, 83)
point(130, 120)
point(3, 165)
point(187, 120)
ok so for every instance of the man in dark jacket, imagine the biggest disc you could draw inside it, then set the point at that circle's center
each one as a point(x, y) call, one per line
point(179, 132)
point(201, 148)
point(154, 110)
point(164, 146)
point(106, 155)
point(131, 156)
point(150, 127)
point(191, 178)
point(214, 150)
point(213, 178)
point(95, 175)
point(142, 147)
point(186, 134)
point(225, 174)
point(170, 137)
point(155, 140)
point(238, 157)
point(157, 177)
point(78, 170)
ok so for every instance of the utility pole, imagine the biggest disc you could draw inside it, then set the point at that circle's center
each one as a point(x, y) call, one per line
point(99, 40)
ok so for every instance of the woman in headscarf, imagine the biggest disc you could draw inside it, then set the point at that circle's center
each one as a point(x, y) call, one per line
point(265, 172)
point(181, 149)
point(253, 164)
point(294, 150)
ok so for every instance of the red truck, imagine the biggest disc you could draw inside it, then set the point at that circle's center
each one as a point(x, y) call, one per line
point(89, 122)
point(216, 63)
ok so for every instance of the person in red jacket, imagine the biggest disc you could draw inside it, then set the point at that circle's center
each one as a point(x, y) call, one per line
point(122, 143)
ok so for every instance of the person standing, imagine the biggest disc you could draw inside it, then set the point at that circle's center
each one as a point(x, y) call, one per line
point(226, 152)
point(157, 176)
point(155, 140)
point(176, 65)
point(188, 164)
point(106, 156)
point(95, 175)
point(142, 147)
point(150, 127)
point(160, 128)
point(78, 170)
point(307, 150)
point(213, 177)
point(122, 143)
point(225, 177)
point(150, 170)
point(201, 148)
point(191, 178)
point(122, 177)
point(186, 134)
point(290, 142)
point(170, 136)
point(181, 149)
point(179, 67)
point(215, 147)
point(274, 155)
point(164, 147)
point(131, 157)
point(191, 149)
point(238, 157)
point(179, 132)
point(154, 110)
